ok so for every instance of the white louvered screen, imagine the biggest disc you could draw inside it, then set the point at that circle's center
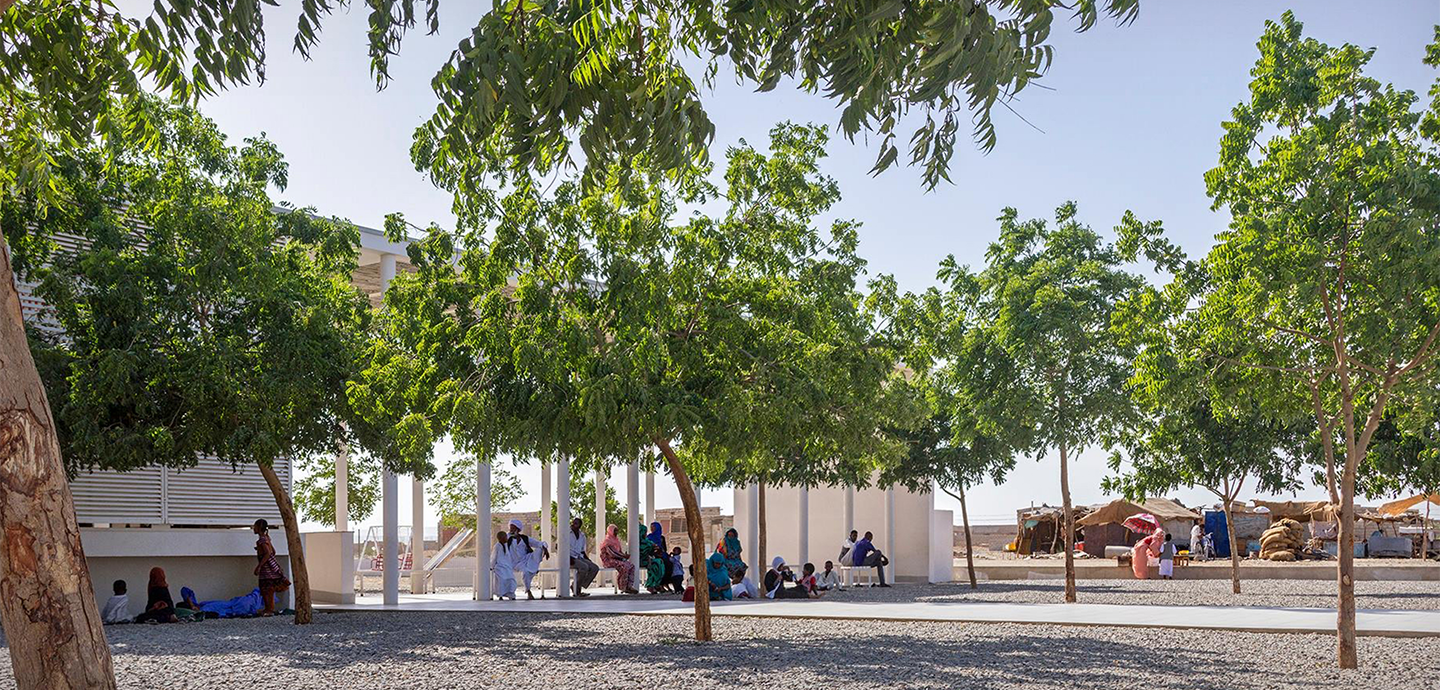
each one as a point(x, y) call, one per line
point(119, 497)
point(211, 493)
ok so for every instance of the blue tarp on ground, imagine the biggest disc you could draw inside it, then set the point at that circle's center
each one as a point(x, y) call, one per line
point(1219, 533)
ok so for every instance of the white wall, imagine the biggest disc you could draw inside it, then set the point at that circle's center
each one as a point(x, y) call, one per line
point(216, 563)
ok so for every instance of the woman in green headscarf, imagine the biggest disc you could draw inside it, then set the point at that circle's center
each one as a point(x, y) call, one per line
point(718, 576)
point(730, 550)
point(652, 561)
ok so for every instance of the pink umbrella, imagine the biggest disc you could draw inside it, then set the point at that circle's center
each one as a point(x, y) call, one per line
point(1142, 523)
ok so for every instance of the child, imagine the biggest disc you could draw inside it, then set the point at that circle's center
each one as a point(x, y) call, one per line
point(677, 570)
point(808, 581)
point(829, 579)
point(502, 567)
point(117, 609)
point(1167, 558)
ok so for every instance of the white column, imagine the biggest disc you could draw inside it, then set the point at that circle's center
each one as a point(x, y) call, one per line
point(342, 488)
point(599, 530)
point(632, 514)
point(562, 525)
point(752, 531)
point(389, 510)
point(417, 535)
point(545, 531)
point(484, 540)
point(649, 498)
point(849, 510)
point(804, 525)
point(390, 519)
point(890, 524)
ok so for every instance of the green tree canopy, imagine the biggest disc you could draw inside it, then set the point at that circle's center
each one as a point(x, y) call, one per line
point(192, 319)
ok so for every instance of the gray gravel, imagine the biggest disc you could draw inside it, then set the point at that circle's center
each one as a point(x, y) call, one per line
point(1285, 593)
point(520, 650)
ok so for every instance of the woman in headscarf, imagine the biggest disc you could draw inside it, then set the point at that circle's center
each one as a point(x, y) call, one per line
point(730, 547)
point(657, 537)
point(718, 576)
point(612, 555)
point(502, 567)
point(775, 579)
point(159, 607)
point(654, 562)
point(272, 578)
point(1143, 552)
point(526, 554)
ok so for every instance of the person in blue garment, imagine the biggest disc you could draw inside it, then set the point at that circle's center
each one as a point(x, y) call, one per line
point(718, 576)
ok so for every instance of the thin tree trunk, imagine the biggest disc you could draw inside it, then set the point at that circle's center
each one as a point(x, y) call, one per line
point(760, 520)
point(299, 575)
point(1348, 655)
point(51, 620)
point(697, 540)
point(969, 556)
point(1069, 525)
point(1230, 536)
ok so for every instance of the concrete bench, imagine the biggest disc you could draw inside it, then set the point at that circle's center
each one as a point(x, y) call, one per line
point(850, 574)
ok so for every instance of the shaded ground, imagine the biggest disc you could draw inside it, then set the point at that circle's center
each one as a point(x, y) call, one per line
point(521, 650)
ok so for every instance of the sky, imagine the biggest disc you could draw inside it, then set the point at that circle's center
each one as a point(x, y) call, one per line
point(1129, 119)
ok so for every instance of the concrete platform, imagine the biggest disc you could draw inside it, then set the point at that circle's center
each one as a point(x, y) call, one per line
point(1380, 622)
point(1108, 569)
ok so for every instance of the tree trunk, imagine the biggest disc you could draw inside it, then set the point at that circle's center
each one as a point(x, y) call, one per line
point(760, 520)
point(969, 556)
point(697, 540)
point(1069, 525)
point(298, 574)
point(47, 605)
point(1348, 656)
point(1234, 552)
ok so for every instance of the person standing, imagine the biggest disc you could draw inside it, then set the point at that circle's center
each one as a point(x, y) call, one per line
point(676, 577)
point(502, 567)
point(585, 569)
point(1197, 542)
point(272, 578)
point(1167, 559)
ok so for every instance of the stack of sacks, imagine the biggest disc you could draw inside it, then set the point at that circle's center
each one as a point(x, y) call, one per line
point(1283, 541)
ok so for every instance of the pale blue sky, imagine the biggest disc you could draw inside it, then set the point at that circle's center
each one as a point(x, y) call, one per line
point(1130, 120)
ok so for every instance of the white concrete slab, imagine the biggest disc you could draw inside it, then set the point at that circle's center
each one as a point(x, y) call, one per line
point(1381, 622)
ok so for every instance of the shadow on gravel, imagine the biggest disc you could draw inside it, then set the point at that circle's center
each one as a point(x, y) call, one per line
point(971, 655)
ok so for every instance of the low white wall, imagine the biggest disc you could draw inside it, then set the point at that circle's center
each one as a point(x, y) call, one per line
point(942, 544)
point(216, 563)
point(330, 562)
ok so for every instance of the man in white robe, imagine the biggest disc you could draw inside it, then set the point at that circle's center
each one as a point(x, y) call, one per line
point(528, 553)
point(502, 567)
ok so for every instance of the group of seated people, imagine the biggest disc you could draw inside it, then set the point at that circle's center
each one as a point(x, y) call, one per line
point(159, 606)
point(726, 573)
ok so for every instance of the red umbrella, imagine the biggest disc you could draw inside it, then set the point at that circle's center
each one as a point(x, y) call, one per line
point(1143, 523)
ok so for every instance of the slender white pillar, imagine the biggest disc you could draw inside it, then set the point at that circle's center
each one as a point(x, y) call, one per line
point(342, 488)
point(599, 530)
point(849, 510)
point(389, 509)
point(484, 540)
point(390, 519)
point(649, 498)
point(562, 525)
point(545, 514)
point(632, 514)
point(890, 524)
point(804, 525)
point(752, 531)
point(417, 535)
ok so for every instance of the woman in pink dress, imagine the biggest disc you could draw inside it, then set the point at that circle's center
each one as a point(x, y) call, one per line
point(1143, 551)
point(612, 555)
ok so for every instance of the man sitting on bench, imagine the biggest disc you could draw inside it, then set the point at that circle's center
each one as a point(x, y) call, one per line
point(865, 555)
point(585, 569)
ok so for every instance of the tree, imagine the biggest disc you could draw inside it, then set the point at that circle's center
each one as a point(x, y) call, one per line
point(1345, 319)
point(595, 326)
point(315, 487)
point(194, 320)
point(453, 496)
point(1053, 376)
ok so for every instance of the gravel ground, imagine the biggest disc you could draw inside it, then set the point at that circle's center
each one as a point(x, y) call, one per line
point(1285, 593)
point(519, 651)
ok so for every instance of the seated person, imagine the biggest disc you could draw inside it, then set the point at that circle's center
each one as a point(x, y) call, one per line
point(828, 579)
point(848, 546)
point(865, 555)
point(718, 577)
point(743, 586)
point(808, 582)
point(676, 576)
point(117, 609)
point(775, 579)
point(159, 608)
